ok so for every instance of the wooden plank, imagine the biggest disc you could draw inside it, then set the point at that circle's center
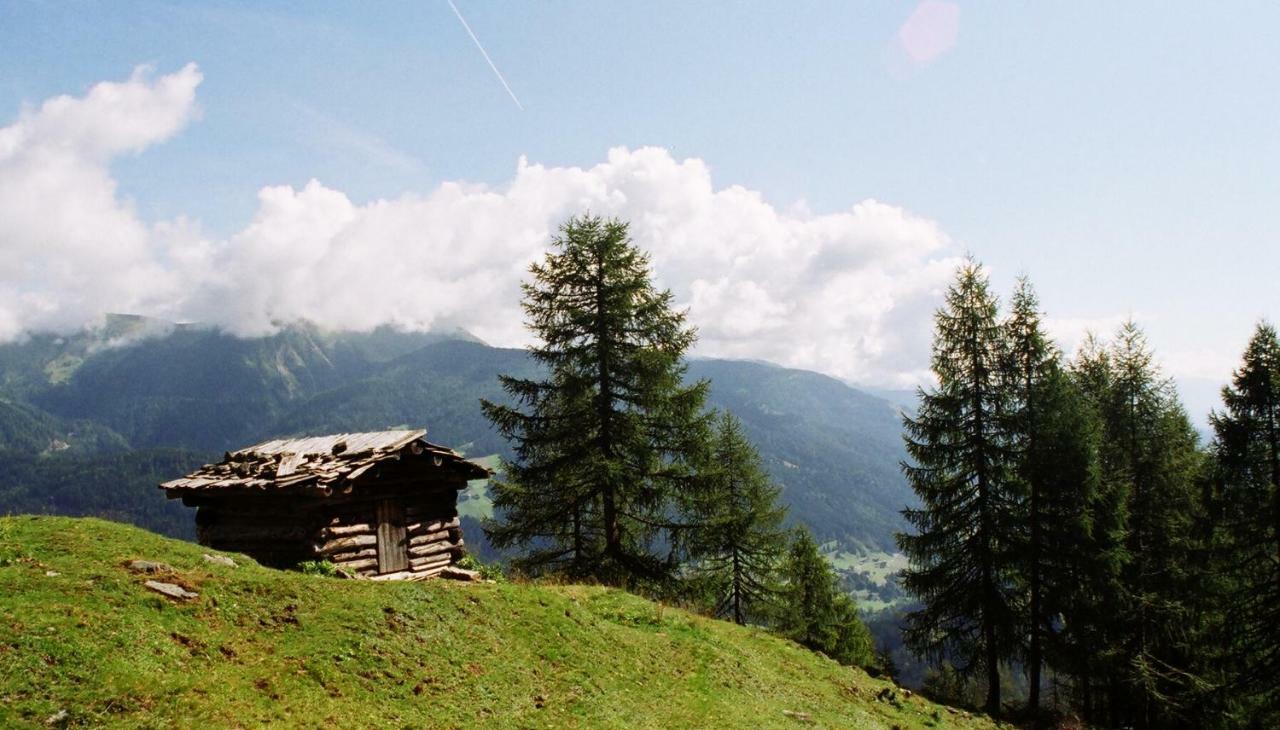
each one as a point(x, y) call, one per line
point(429, 563)
point(402, 575)
point(367, 563)
point(435, 548)
point(343, 544)
point(434, 571)
point(392, 540)
point(289, 463)
point(251, 512)
point(416, 528)
point(276, 532)
point(359, 528)
point(429, 537)
point(354, 555)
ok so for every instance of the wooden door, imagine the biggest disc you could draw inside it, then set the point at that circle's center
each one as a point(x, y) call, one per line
point(393, 543)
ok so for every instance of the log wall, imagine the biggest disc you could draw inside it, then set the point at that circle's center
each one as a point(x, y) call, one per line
point(349, 537)
point(344, 531)
point(273, 535)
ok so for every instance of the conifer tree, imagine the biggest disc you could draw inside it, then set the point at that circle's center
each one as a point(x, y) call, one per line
point(1247, 456)
point(1149, 455)
point(853, 645)
point(815, 612)
point(1160, 461)
point(1088, 649)
point(739, 540)
point(1029, 363)
point(606, 440)
point(1053, 442)
point(962, 559)
point(885, 662)
point(807, 603)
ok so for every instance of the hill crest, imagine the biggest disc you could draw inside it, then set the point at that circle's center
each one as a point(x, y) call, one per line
point(266, 647)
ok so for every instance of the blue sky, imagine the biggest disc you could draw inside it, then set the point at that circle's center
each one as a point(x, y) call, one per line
point(1125, 156)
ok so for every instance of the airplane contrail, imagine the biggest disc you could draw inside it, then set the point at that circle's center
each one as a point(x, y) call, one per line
point(496, 72)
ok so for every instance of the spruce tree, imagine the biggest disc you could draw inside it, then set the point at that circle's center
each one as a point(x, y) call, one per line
point(962, 559)
point(606, 440)
point(1247, 457)
point(738, 541)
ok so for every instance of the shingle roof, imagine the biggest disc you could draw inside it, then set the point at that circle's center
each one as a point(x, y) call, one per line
point(320, 462)
point(354, 443)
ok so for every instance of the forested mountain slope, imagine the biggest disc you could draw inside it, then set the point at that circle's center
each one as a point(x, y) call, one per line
point(88, 422)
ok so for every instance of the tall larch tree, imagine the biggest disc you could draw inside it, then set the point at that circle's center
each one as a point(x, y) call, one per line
point(1063, 559)
point(807, 606)
point(606, 442)
point(1149, 452)
point(961, 550)
point(1247, 456)
point(738, 542)
point(1053, 451)
point(814, 611)
point(1089, 647)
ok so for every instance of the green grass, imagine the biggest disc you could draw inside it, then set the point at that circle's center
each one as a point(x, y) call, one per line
point(262, 647)
point(875, 565)
point(60, 369)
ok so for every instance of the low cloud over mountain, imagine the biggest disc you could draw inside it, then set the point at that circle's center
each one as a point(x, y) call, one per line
point(847, 293)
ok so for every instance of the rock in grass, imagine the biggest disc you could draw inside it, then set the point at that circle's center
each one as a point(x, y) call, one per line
point(453, 572)
point(219, 560)
point(171, 590)
point(57, 718)
point(146, 566)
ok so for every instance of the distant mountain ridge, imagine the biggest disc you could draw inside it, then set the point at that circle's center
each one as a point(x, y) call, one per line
point(137, 399)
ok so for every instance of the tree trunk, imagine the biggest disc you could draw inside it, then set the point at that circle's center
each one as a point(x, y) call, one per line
point(986, 526)
point(1034, 651)
point(577, 535)
point(1086, 699)
point(1273, 438)
point(1034, 654)
point(612, 542)
point(737, 590)
point(993, 670)
point(604, 410)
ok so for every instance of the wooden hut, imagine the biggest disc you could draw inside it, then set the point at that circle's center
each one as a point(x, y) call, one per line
point(380, 505)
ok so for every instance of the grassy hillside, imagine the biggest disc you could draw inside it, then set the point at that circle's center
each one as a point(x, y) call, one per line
point(80, 633)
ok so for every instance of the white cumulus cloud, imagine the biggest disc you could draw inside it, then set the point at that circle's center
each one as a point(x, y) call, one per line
point(71, 247)
point(848, 293)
